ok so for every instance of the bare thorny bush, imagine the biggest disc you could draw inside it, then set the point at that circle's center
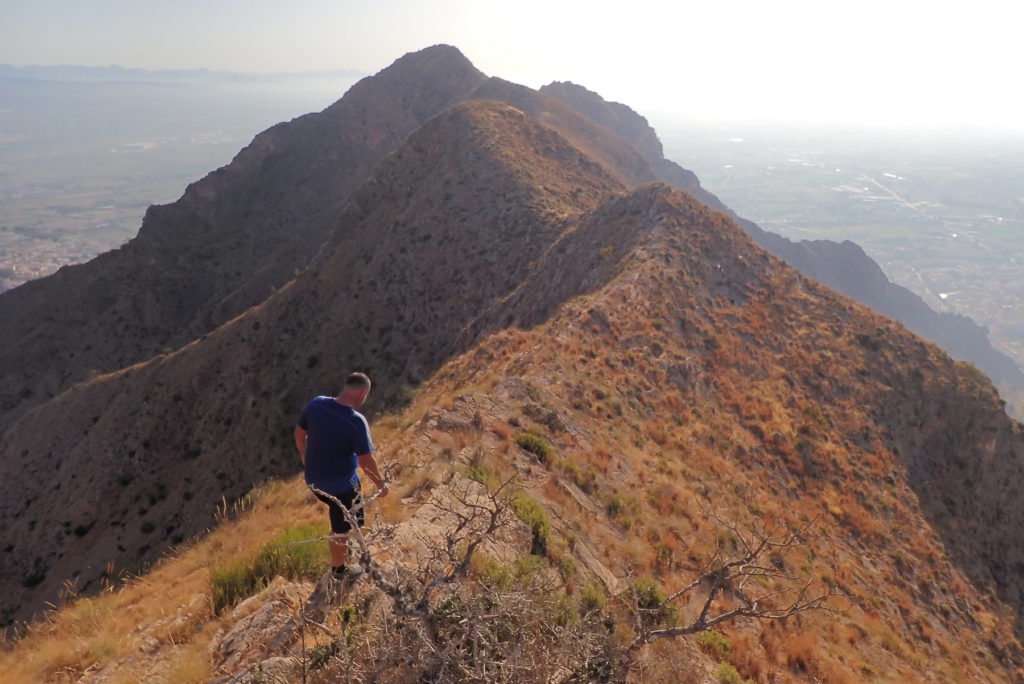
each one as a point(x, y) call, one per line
point(443, 621)
point(747, 575)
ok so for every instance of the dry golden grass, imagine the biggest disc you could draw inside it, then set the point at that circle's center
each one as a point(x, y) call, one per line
point(165, 615)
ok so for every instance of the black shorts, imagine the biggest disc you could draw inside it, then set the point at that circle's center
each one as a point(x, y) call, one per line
point(339, 523)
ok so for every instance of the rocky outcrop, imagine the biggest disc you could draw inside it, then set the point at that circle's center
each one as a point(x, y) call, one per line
point(263, 626)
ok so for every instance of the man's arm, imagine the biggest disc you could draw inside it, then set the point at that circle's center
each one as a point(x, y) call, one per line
point(369, 465)
point(300, 443)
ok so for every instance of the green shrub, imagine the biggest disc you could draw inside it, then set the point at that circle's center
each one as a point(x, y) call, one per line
point(479, 474)
point(532, 513)
point(563, 612)
point(623, 509)
point(526, 566)
point(650, 596)
point(567, 567)
point(715, 645)
point(320, 656)
point(490, 571)
point(592, 597)
point(535, 444)
point(231, 584)
point(727, 674)
point(585, 477)
point(479, 467)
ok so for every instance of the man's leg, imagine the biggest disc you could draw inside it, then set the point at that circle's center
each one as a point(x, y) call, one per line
point(339, 551)
point(340, 557)
point(340, 528)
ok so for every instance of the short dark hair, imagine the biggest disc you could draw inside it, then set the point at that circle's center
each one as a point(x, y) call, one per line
point(358, 381)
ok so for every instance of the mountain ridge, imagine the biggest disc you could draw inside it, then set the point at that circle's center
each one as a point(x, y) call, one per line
point(488, 254)
point(844, 267)
point(167, 423)
point(683, 364)
point(232, 237)
point(151, 291)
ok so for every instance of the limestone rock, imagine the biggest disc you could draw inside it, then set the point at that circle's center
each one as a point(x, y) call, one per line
point(264, 625)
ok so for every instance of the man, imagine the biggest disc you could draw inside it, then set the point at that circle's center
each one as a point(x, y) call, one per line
point(332, 439)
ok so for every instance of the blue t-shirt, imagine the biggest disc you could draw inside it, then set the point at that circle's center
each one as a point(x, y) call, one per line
point(335, 436)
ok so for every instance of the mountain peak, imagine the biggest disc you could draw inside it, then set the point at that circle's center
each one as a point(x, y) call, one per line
point(420, 83)
point(613, 115)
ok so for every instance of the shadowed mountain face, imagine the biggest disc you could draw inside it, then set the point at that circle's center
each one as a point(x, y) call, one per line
point(224, 246)
point(497, 212)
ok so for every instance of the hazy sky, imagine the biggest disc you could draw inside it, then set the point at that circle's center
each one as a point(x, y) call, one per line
point(871, 61)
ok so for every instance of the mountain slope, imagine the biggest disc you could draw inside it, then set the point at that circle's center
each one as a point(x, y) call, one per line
point(662, 353)
point(836, 383)
point(848, 269)
point(449, 224)
point(232, 237)
point(706, 369)
point(676, 370)
point(843, 267)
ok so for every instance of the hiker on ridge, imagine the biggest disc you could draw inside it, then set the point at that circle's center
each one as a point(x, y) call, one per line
point(333, 438)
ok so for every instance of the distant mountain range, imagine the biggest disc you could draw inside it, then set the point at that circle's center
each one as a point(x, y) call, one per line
point(118, 74)
point(425, 214)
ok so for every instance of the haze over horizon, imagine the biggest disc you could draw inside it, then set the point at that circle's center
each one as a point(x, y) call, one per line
point(931, 65)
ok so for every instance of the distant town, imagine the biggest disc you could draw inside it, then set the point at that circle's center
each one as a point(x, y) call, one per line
point(943, 217)
point(84, 151)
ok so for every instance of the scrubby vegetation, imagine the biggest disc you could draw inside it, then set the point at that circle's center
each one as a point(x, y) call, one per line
point(285, 555)
point(535, 444)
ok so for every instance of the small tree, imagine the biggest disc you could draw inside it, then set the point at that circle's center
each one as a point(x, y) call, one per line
point(445, 623)
point(448, 623)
